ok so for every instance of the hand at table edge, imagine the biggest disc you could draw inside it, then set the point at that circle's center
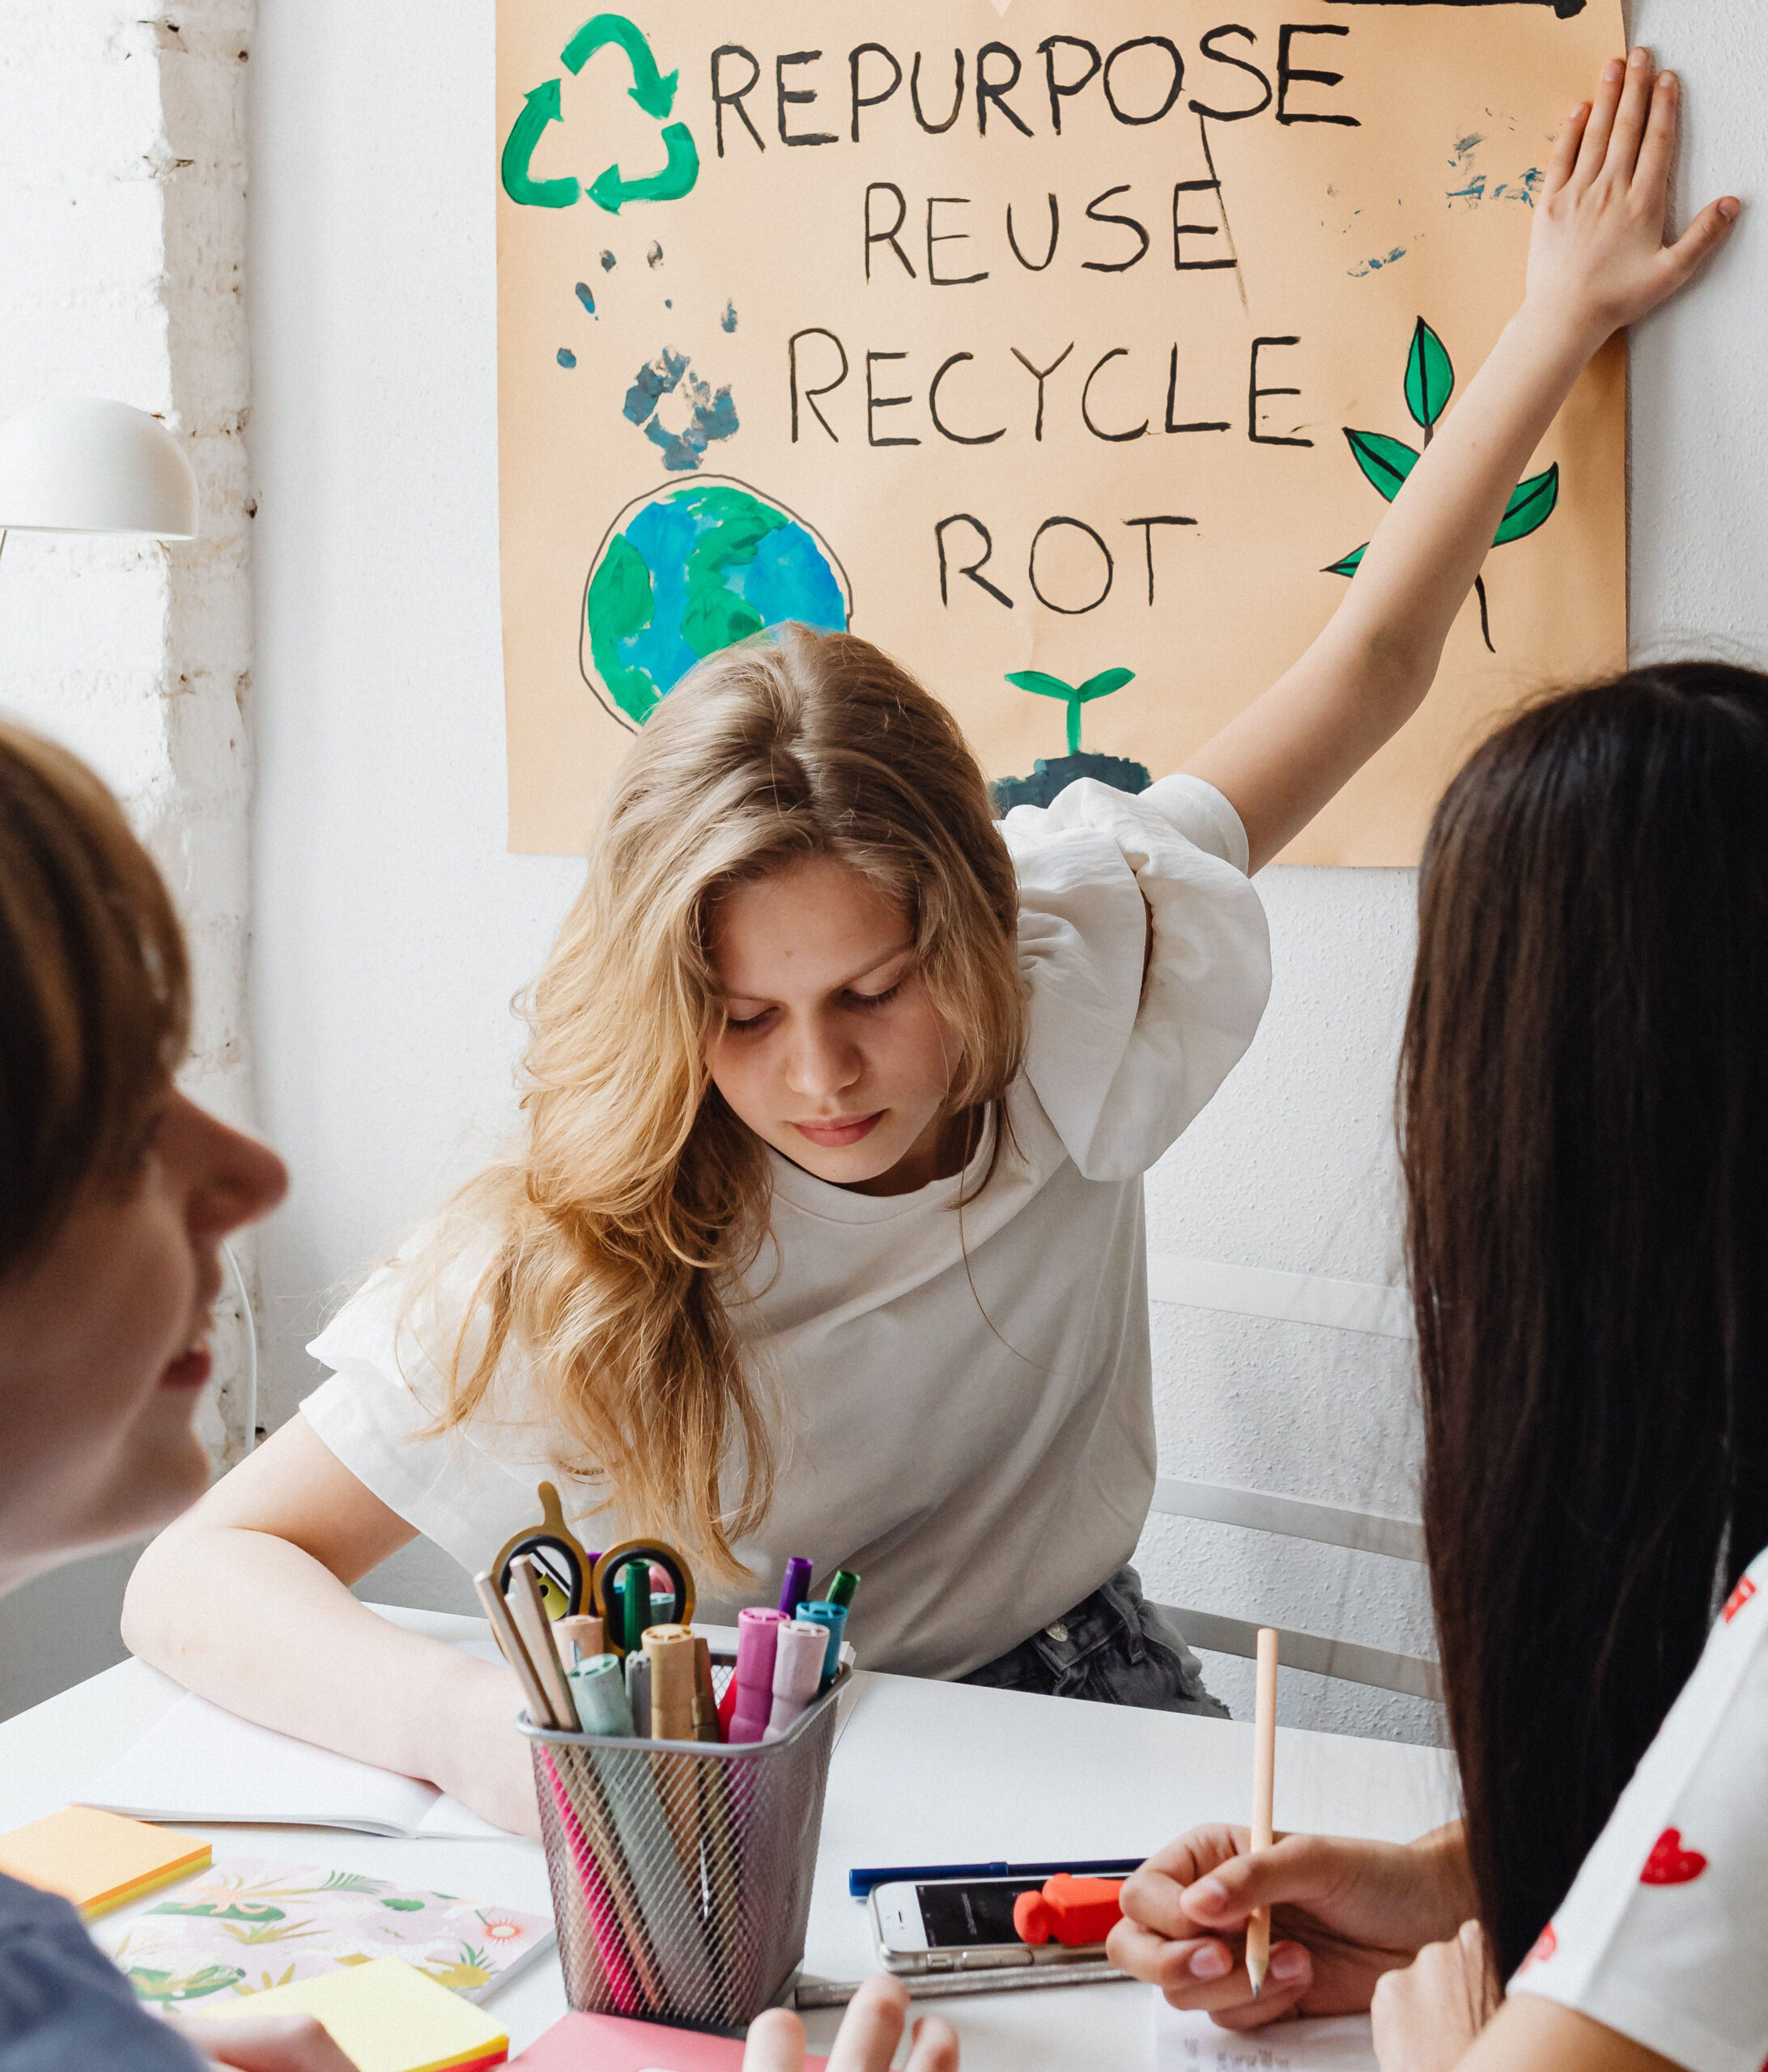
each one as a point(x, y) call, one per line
point(866, 2041)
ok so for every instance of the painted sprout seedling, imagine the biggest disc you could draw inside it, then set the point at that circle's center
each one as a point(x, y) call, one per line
point(1048, 778)
point(1074, 696)
point(1387, 462)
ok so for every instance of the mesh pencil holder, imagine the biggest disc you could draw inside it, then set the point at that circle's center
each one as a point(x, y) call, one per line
point(682, 1870)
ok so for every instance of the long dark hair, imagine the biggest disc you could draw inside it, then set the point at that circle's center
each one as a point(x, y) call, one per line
point(1584, 1125)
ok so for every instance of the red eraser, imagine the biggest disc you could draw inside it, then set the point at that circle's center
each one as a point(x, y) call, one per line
point(1078, 1911)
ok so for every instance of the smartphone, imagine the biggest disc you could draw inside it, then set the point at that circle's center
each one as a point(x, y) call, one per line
point(963, 1924)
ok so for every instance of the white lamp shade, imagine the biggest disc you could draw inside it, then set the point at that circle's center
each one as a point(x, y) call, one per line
point(87, 464)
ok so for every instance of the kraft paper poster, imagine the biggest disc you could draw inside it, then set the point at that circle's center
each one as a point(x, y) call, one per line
point(1068, 351)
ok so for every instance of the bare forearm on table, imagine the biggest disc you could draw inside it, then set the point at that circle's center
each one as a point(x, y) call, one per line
point(280, 1640)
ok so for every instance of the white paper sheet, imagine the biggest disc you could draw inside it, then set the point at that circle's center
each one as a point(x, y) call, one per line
point(1192, 2043)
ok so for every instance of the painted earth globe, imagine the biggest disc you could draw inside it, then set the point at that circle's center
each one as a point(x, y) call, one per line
point(690, 569)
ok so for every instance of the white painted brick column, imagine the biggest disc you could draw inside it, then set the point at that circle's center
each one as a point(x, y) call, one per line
point(122, 228)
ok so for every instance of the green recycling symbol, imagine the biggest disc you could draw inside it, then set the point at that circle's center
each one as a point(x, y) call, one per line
point(655, 93)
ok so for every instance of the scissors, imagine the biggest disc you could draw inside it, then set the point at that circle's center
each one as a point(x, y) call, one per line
point(636, 1558)
point(557, 1552)
point(573, 1581)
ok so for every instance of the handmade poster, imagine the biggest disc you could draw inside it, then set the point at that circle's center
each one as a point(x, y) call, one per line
point(1070, 352)
point(250, 1925)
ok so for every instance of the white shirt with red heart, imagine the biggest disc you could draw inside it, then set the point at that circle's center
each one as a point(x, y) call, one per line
point(1664, 1937)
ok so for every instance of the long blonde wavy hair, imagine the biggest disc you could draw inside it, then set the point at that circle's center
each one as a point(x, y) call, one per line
point(626, 1215)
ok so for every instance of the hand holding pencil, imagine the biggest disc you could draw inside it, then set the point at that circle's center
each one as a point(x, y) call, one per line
point(1345, 1911)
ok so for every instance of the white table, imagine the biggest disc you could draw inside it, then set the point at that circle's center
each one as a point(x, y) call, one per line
point(922, 1772)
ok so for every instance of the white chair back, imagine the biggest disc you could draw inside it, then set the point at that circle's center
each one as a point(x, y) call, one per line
point(1291, 1517)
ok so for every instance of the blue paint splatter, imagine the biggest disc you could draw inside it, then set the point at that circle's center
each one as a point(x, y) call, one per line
point(715, 417)
point(608, 262)
point(728, 321)
point(1468, 144)
point(1375, 265)
point(585, 297)
point(654, 257)
point(667, 303)
point(1523, 188)
point(567, 357)
point(657, 379)
point(712, 415)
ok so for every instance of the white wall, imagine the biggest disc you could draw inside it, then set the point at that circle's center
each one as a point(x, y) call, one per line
point(122, 221)
point(391, 927)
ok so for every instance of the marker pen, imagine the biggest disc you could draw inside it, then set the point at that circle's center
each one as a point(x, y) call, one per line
point(797, 1582)
point(798, 1654)
point(581, 1632)
point(842, 1586)
point(599, 1687)
point(632, 1585)
point(669, 1649)
point(834, 1618)
point(705, 1698)
point(638, 1691)
point(758, 1628)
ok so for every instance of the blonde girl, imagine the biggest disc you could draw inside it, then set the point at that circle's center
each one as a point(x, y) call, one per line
point(824, 1230)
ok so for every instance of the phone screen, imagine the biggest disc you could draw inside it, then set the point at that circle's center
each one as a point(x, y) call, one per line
point(964, 1917)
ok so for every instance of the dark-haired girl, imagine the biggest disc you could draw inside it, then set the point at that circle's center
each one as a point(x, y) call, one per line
point(1584, 1128)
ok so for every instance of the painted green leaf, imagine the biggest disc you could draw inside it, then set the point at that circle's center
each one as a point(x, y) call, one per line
point(1045, 687)
point(1349, 565)
point(1103, 684)
point(620, 605)
point(1429, 376)
point(1386, 461)
point(1532, 504)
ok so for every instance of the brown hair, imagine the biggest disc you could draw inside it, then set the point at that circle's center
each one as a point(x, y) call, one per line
point(623, 1221)
point(1584, 1115)
point(94, 989)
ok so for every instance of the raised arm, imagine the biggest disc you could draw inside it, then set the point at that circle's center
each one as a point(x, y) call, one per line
point(1597, 261)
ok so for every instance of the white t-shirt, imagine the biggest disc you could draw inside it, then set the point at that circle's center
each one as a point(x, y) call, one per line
point(964, 1402)
point(1664, 1936)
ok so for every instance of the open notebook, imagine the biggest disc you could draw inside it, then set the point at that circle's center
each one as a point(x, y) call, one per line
point(201, 1764)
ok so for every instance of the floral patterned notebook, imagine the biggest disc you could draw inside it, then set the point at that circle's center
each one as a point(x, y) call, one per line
point(252, 1923)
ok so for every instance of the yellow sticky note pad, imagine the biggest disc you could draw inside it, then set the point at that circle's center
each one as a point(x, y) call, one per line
point(385, 2017)
point(99, 1861)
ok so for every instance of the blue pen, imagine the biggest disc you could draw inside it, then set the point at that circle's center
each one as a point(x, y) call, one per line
point(860, 1882)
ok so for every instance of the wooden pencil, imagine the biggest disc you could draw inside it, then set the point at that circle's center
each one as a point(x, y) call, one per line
point(1258, 1926)
point(509, 1641)
point(528, 1609)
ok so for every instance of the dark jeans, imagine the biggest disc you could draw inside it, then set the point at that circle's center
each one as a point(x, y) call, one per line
point(1114, 1647)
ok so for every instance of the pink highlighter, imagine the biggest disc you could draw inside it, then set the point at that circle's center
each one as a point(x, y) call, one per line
point(799, 1648)
point(758, 1632)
